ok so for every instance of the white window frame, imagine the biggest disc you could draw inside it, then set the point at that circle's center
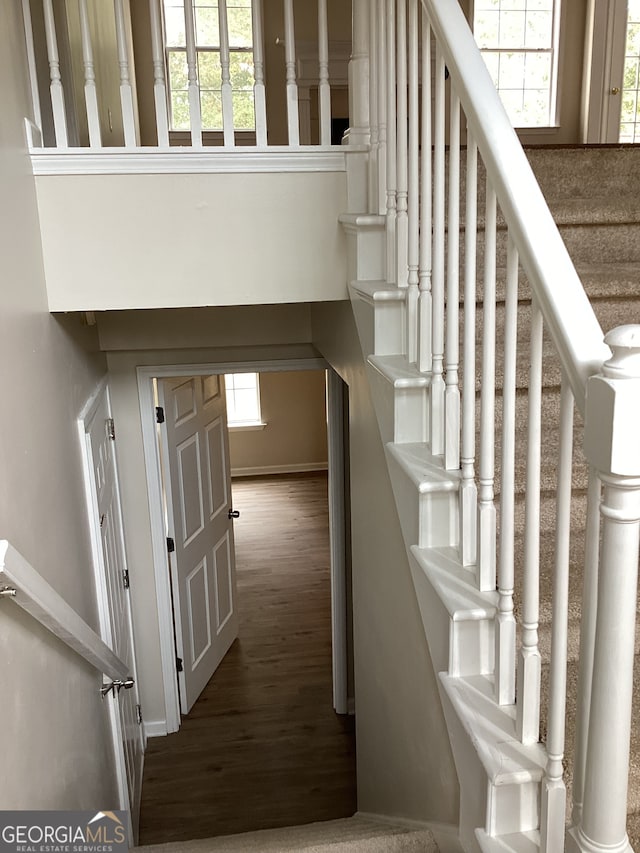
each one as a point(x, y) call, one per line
point(255, 423)
point(554, 75)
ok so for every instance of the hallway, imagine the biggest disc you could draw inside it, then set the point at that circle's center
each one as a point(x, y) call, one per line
point(263, 747)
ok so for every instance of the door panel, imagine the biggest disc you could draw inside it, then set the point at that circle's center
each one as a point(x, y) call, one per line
point(115, 607)
point(196, 455)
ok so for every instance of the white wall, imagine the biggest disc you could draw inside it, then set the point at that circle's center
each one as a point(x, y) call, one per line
point(55, 749)
point(192, 240)
point(405, 765)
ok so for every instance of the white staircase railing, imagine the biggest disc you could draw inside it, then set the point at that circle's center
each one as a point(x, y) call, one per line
point(427, 194)
point(87, 111)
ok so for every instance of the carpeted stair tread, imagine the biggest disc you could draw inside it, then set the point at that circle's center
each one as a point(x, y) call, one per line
point(350, 835)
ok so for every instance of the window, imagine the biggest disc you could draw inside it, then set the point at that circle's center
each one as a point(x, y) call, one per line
point(243, 400)
point(518, 40)
point(630, 110)
point(207, 43)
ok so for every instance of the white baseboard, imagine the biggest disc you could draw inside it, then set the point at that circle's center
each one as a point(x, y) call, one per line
point(445, 834)
point(267, 470)
point(155, 728)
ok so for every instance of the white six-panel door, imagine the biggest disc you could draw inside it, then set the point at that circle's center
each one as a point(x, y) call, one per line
point(198, 490)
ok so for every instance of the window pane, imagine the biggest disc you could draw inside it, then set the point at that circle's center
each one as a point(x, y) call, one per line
point(207, 26)
point(537, 70)
point(241, 70)
point(211, 107)
point(240, 30)
point(178, 76)
point(243, 111)
point(174, 24)
point(539, 30)
point(209, 71)
point(243, 398)
point(512, 29)
point(180, 111)
point(243, 380)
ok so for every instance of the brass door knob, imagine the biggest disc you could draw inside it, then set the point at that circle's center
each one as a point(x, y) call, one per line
point(615, 91)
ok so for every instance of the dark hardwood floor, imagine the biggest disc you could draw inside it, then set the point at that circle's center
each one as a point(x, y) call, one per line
point(262, 747)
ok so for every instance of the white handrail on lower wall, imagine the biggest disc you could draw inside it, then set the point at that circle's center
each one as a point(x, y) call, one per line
point(38, 598)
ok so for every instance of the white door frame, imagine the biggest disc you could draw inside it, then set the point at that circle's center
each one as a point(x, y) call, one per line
point(603, 70)
point(145, 376)
point(104, 617)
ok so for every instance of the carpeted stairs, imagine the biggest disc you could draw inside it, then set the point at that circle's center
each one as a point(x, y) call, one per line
point(351, 835)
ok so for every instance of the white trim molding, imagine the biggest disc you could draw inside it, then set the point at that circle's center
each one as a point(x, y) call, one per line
point(271, 470)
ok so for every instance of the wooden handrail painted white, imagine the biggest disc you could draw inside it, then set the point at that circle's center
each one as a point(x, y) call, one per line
point(38, 598)
point(568, 315)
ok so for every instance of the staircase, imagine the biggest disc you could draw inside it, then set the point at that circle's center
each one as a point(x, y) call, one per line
point(593, 195)
point(351, 835)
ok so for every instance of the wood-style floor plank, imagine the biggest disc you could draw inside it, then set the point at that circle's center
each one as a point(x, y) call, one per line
point(262, 747)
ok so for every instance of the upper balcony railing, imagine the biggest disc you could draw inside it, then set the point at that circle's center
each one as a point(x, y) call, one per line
point(165, 73)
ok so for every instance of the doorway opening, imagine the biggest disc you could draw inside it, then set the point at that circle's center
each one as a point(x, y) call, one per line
point(291, 545)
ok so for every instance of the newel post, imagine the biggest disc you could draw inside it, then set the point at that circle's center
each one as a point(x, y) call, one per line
point(612, 447)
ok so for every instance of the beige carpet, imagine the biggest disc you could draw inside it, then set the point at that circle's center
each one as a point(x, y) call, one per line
point(351, 835)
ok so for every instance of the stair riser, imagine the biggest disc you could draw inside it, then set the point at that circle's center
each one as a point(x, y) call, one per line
point(366, 255)
point(429, 520)
point(402, 412)
point(459, 647)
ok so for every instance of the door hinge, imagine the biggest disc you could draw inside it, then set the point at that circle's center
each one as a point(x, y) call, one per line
point(139, 715)
point(111, 429)
point(159, 415)
point(125, 578)
point(171, 545)
point(179, 666)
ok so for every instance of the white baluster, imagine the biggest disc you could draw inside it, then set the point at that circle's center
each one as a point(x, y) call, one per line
point(159, 83)
point(468, 490)
point(505, 636)
point(90, 91)
point(31, 61)
point(57, 92)
point(587, 641)
point(528, 673)
point(452, 389)
point(374, 82)
point(413, 292)
point(437, 281)
point(195, 111)
point(227, 91)
point(554, 795)
point(425, 305)
point(391, 141)
point(486, 468)
point(611, 446)
point(259, 97)
point(292, 88)
point(381, 63)
point(402, 222)
point(324, 90)
point(126, 89)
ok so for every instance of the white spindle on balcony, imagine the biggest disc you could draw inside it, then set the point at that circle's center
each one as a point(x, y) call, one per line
point(56, 89)
point(402, 223)
point(437, 280)
point(159, 82)
point(529, 664)
point(468, 488)
point(505, 636)
point(227, 90)
point(374, 86)
point(126, 88)
point(413, 258)
point(452, 349)
point(391, 140)
point(425, 304)
point(195, 112)
point(324, 89)
point(553, 803)
point(293, 122)
point(90, 91)
point(486, 468)
point(381, 90)
point(259, 93)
